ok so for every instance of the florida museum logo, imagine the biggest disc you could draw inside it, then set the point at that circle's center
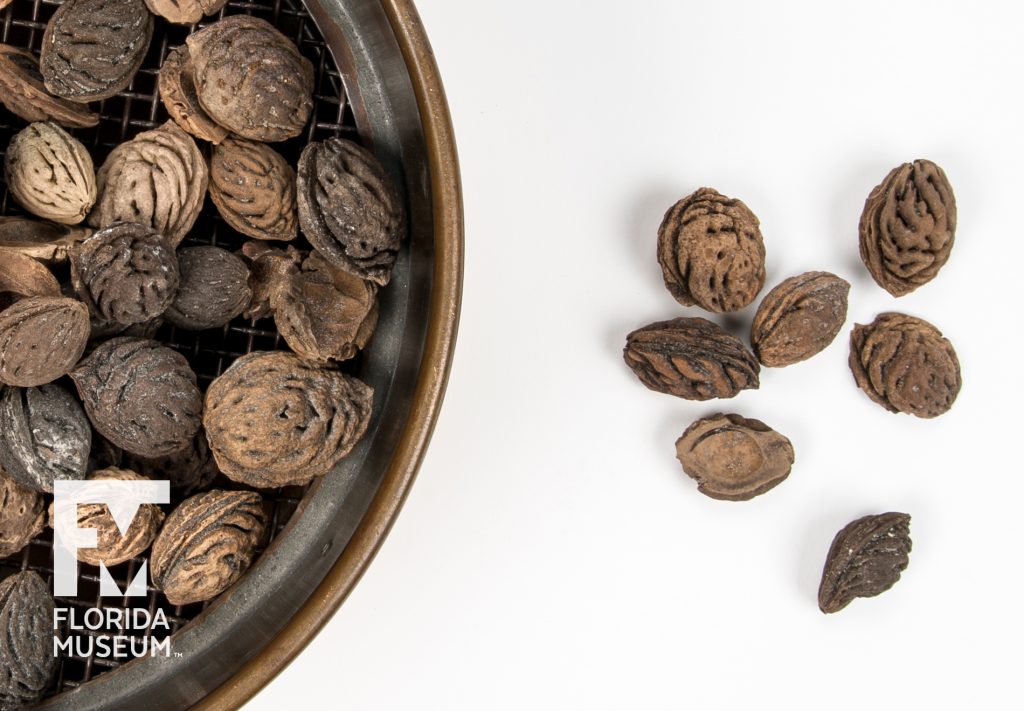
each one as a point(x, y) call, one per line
point(104, 632)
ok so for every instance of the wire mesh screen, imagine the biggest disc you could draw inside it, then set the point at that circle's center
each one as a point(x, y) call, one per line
point(209, 352)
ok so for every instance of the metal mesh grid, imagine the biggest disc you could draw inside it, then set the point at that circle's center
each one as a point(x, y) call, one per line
point(210, 352)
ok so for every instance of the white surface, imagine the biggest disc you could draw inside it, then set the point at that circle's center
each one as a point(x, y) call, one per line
point(552, 554)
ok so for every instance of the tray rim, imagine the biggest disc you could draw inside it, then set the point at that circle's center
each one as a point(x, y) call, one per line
point(446, 299)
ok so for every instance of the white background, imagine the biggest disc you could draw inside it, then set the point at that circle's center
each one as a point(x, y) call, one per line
point(552, 554)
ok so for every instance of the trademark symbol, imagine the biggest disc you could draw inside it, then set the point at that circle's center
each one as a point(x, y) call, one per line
point(177, 654)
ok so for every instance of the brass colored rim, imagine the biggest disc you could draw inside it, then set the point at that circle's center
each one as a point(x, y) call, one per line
point(446, 297)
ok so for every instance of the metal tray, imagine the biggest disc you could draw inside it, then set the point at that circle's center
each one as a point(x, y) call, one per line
point(377, 83)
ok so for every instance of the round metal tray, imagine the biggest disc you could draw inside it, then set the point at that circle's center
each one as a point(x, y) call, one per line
point(376, 81)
